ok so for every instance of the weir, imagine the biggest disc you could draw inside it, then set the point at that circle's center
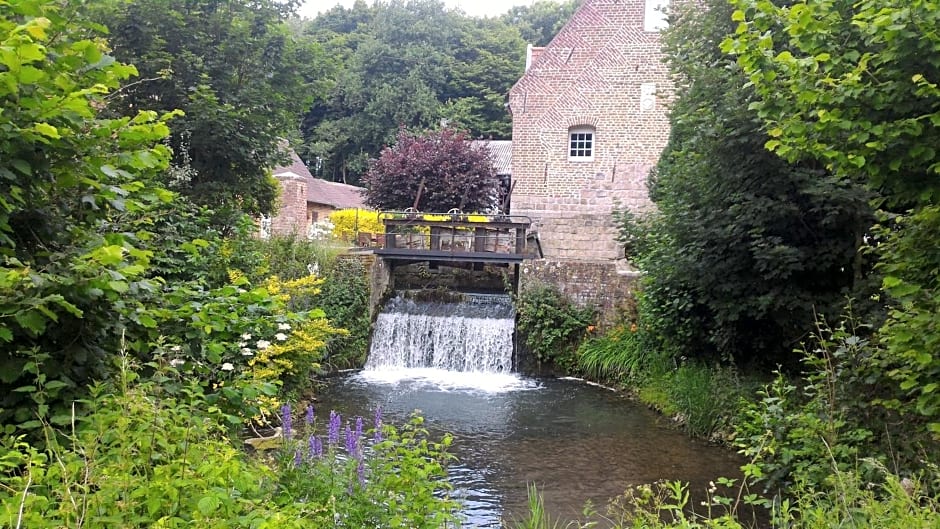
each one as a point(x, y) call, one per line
point(473, 333)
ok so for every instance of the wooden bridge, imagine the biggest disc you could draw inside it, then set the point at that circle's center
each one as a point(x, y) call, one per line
point(453, 237)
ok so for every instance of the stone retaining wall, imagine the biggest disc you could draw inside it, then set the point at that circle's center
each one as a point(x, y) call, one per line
point(606, 285)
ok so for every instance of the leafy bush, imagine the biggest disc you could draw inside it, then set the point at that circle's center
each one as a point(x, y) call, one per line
point(71, 275)
point(291, 257)
point(834, 416)
point(443, 167)
point(551, 324)
point(910, 260)
point(344, 298)
point(154, 453)
point(851, 502)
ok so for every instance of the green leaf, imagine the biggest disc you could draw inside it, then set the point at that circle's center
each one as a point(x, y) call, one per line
point(22, 166)
point(31, 52)
point(118, 286)
point(47, 130)
point(207, 505)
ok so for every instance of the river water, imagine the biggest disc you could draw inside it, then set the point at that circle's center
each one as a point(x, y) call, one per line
point(575, 441)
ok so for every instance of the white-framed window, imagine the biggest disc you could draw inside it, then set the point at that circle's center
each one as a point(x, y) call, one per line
point(581, 144)
point(654, 18)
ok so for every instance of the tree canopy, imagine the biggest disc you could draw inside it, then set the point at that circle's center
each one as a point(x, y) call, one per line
point(438, 171)
point(239, 75)
point(854, 85)
point(414, 64)
point(744, 245)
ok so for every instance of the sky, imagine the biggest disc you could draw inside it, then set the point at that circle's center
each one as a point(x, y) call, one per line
point(471, 7)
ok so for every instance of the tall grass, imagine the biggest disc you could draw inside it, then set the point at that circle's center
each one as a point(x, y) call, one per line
point(291, 257)
point(611, 357)
point(851, 503)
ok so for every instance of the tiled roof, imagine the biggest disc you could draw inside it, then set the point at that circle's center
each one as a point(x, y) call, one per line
point(319, 191)
point(500, 153)
point(296, 166)
point(339, 196)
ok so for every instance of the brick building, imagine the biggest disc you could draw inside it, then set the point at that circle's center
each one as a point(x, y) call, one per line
point(305, 199)
point(589, 122)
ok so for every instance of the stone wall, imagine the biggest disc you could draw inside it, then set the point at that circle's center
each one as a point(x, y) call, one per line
point(291, 217)
point(608, 286)
point(603, 71)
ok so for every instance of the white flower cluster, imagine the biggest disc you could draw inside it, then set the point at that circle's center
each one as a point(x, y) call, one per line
point(244, 346)
point(321, 230)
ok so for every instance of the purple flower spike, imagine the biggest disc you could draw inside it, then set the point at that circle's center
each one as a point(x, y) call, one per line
point(286, 421)
point(351, 444)
point(314, 448)
point(298, 458)
point(333, 430)
point(358, 431)
point(309, 417)
point(361, 473)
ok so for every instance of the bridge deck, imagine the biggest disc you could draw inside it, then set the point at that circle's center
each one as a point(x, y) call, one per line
point(456, 238)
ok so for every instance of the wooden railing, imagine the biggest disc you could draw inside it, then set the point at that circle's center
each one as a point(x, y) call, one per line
point(451, 236)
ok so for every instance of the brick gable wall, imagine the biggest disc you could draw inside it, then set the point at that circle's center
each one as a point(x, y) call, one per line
point(598, 71)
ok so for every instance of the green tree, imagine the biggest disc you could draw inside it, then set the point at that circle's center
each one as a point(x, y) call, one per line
point(855, 86)
point(744, 246)
point(70, 276)
point(540, 22)
point(406, 64)
point(439, 171)
point(488, 59)
point(242, 79)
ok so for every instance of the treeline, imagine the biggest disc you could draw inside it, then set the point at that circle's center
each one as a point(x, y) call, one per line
point(416, 65)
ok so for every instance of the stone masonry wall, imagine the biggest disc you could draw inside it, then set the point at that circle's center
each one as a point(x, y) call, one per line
point(605, 72)
point(604, 285)
point(291, 217)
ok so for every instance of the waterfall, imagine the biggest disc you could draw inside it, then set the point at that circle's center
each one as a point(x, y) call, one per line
point(474, 335)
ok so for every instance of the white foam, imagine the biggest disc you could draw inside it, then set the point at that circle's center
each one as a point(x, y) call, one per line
point(444, 380)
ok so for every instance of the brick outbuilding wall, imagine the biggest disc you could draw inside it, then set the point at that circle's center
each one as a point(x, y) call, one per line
point(603, 71)
point(291, 217)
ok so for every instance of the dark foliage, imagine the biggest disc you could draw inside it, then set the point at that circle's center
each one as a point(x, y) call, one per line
point(449, 171)
point(241, 78)
point(746, 247)
point(410, 64)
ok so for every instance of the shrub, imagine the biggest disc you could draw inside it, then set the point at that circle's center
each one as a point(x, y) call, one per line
point(551, 324)
point(154, 454)
point(348, 222)
point(292, 257)
point(344, 298)
point(852, 502)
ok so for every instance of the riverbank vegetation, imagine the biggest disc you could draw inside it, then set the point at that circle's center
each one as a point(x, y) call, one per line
point(790, 301)
point(146, 331)
point(791, 254)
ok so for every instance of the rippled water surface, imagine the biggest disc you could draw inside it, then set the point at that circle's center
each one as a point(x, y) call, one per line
point(576, 441)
